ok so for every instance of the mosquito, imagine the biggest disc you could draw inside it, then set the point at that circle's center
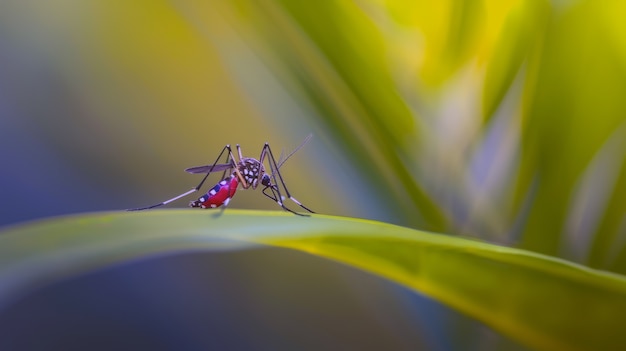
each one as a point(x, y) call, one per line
point(247, 172)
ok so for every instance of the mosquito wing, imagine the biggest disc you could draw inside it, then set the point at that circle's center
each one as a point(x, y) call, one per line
point(207, 169)
point(224, 166)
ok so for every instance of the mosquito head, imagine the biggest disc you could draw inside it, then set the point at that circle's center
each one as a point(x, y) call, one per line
point(266, 180)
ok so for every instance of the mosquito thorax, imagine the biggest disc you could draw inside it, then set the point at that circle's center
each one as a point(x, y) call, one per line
point(250, 169)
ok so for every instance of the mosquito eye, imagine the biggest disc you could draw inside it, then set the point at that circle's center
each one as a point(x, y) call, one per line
point(265, 180)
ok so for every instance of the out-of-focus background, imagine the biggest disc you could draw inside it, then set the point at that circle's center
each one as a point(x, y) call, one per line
point(500, 120)
point(105, 103)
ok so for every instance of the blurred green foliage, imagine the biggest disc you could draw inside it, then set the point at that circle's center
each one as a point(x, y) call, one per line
point(497, 119)
point(491, 287)
point(501, 120)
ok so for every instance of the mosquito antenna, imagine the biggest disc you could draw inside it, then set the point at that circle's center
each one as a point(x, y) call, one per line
point(281, 160)
point(281, 157)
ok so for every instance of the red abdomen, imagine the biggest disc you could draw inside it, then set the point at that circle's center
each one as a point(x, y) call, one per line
point(218, 195)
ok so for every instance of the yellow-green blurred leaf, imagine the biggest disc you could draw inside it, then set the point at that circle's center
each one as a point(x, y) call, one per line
point(573, 109)
point(545, 303)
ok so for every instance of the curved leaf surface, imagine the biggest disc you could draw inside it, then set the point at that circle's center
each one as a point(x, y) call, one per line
point(544, 302)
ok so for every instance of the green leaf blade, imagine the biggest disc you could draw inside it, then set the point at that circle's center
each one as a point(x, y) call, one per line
point(544, 302)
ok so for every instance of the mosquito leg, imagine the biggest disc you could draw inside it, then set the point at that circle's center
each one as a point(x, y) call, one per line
point(277, 176)
point(239, 152)
point(230, 160)
point(261, 160)
point(164, 202)
point(193, 190)
point(275, 197)
point(242, 179)
point(300, 204)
